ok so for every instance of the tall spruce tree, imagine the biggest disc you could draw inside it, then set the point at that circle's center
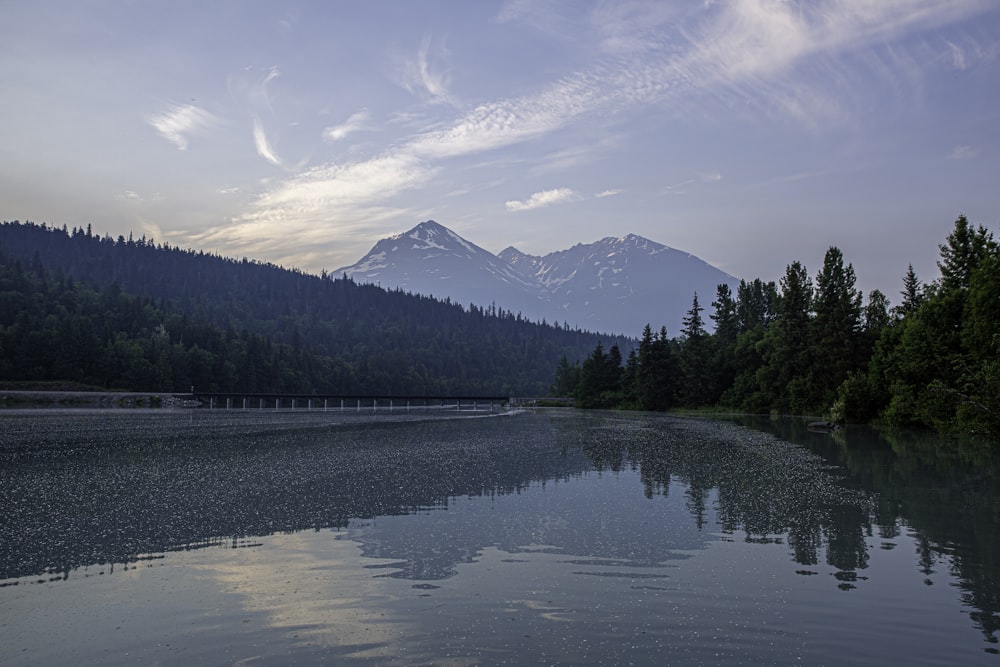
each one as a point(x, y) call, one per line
point(835, 345)
point(912, 293)
point(656, 377)
point(784, 377)
point(963, 250)
point(694, 358)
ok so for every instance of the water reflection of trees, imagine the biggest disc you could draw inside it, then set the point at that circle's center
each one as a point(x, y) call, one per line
point(766, 488)
point(942, 489)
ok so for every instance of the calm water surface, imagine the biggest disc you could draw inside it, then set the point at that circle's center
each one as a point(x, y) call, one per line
point(552, 538)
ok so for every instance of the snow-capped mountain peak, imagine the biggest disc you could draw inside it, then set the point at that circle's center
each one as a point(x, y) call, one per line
point(614, 285)
point(435, 237)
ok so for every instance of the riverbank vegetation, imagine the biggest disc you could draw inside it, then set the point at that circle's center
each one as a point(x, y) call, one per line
point(817, 347)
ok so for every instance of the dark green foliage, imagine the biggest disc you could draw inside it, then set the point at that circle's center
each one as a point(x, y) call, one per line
point(696, 351)
point(836, 344)
point(600, 379)
point(962, 253)
point(656, 375)
point(913, 294)
point(932, 361)
point(937, 365)
point(786, 347)
point(567, 378)
point(133, 315)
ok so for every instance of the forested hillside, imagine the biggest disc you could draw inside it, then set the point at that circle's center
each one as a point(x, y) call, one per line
point(131, 314)
point(816, 347)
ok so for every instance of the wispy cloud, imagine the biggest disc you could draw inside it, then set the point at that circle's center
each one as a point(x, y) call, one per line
point(540, 199)
point(346, 201)
point(424, 73)
point(505, 122)
point(761, 55)
point(263, 146)
point(964, 152)
point(609, 193)
point(357, 122)
point(681, 188)
point(181, 120)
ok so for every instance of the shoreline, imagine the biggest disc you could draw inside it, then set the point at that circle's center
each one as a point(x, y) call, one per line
point(41, 398)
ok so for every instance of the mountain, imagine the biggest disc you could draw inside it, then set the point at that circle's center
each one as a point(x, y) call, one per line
point(432, 260)
point(615, 285)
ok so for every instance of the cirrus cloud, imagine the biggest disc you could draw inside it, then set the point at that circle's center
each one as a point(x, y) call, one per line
point(181, 120)
point(540, 199)
point(357, 122)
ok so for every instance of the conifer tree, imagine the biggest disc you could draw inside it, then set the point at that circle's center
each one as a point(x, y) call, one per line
point(784, 376)
point(963, 250)
point(694, 358)
point(835, 330)
point(913, 294)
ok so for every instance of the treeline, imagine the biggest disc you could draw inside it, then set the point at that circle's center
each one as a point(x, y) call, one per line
point(131, 314)
point(816, 347)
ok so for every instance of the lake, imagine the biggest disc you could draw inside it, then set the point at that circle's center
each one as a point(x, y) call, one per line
point(549, 537)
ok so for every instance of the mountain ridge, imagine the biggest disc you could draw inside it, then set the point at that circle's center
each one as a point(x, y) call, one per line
point(614, 285)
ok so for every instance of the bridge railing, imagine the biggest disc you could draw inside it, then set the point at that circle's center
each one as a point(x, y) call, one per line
point(348, 403)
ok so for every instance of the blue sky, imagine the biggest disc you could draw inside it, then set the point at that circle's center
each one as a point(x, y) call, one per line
point(750, 133)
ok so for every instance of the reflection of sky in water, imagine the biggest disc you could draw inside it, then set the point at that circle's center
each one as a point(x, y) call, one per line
point(595, 515)
point(466, 542)
point(314, 595)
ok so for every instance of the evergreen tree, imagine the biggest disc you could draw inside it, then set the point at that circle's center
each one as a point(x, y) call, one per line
point(630, 382)
point(656, 375)
point(694, 358)
point(722, 366)
point(567, 378)
point(913, 294)
point(600, 379)
point(963, 250)
point(724, 316)
point(785, 374)
point(835, 345)
point(756, 304)
point(935, 377)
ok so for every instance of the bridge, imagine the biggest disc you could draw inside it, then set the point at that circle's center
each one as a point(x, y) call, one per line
point(366, 403)
point(345, 402)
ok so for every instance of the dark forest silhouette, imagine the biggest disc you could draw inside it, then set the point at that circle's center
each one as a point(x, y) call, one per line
point(131, 314)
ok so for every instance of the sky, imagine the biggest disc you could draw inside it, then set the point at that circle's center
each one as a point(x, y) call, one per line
point(750, 133)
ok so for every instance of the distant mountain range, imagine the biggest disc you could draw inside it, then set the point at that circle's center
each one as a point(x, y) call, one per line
point(615, 285)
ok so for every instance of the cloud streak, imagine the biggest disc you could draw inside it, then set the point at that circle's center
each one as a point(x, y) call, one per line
point(181, 120)
point(421, 76)
point(541, 199)
point(355, 123)
point(262, 145)
point(964, 152)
